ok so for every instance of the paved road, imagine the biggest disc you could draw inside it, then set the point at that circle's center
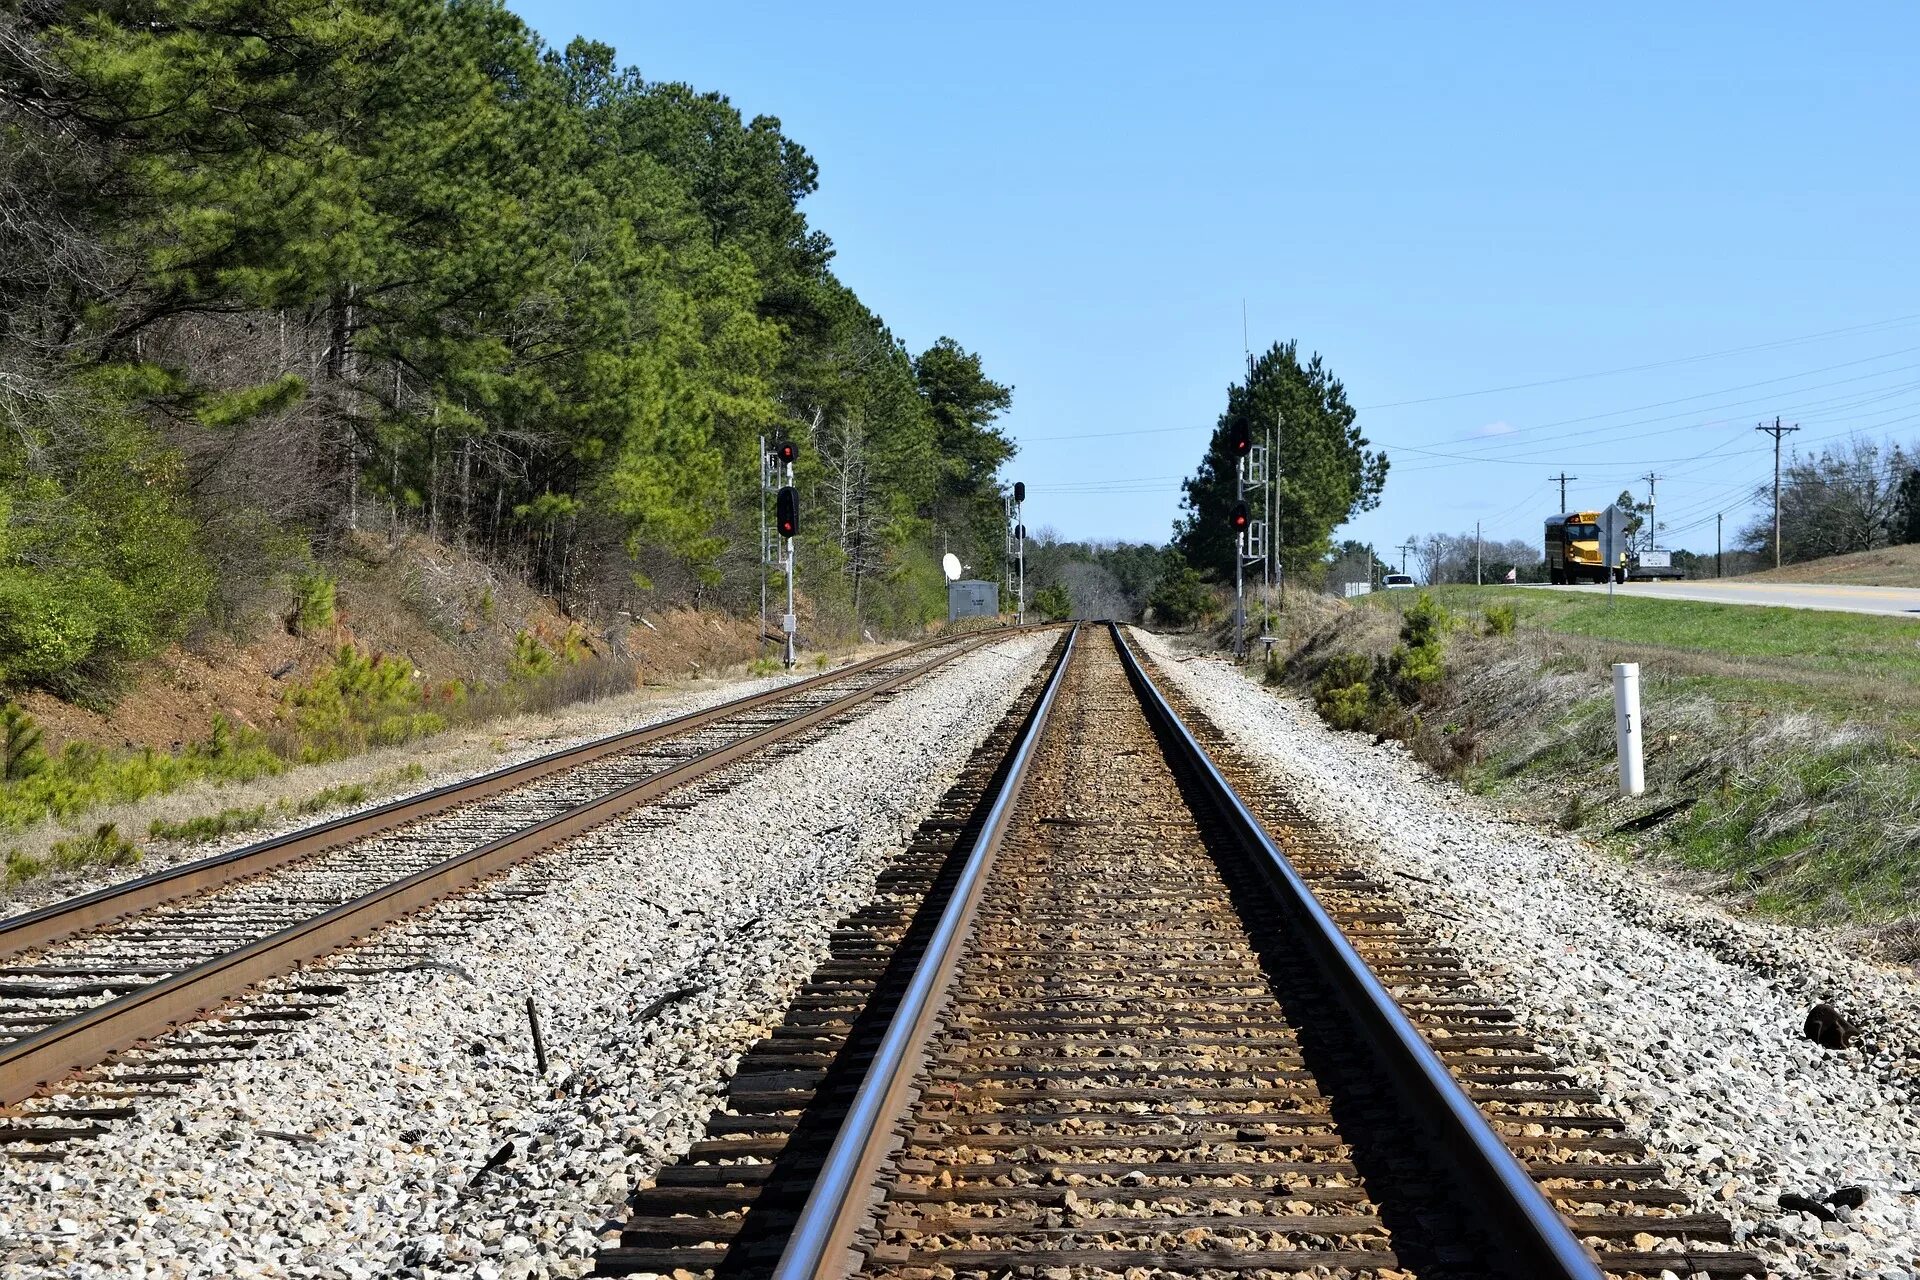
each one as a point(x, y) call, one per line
point(1902, 601)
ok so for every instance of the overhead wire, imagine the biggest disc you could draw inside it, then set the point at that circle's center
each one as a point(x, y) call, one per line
point(1876, 326)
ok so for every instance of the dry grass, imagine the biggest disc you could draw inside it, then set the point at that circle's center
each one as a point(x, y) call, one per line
point(1887, 567)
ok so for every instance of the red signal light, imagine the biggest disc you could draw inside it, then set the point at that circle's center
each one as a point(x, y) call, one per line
point(1240, 437)
point(786, 451)
point(1239, 518)
point(786, 512)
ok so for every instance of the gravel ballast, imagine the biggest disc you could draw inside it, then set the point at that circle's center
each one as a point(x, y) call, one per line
point(404, 1131)
point(1688, 1020)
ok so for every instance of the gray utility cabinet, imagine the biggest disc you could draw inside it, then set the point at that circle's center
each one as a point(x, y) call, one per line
point(972, 598)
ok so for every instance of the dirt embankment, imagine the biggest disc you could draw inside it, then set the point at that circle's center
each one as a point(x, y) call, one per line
point(1886, 567)
point(447, 613)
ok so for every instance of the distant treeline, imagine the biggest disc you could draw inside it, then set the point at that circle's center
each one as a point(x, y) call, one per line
point(283, 273)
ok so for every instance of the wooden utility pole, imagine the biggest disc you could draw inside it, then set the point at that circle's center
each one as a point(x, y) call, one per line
point(1476, 554)
point(1406, 549)
point(1718, 568)
point(1563, 477)
point(1776, 431)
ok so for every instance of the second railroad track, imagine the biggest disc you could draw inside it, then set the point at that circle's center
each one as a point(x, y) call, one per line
point(84, 979)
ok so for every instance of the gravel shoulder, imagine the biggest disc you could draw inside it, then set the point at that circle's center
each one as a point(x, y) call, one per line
point(404, 1131)
point(1688, 1019)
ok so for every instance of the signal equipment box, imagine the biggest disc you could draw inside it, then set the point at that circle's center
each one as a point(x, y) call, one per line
point(971, 598)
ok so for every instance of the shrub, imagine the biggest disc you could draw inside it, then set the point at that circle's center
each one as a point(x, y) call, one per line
point(313, 603)
point(1053, 603)
point(1344, 693)
point(98, 562)
point(104, 847)
point(20, 753)
point(530, 659)
point(1500, 620)
point(356, 701)
point(82, 777)
point(1181, 597)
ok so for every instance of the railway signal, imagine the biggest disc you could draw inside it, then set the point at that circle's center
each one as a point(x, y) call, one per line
point(1240, 518)
point(786, 523)
point(1017, 563)
point(1240, 437)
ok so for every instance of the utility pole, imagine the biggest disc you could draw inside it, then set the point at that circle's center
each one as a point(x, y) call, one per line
point(1718, 569)
point(1406, 549)
point(1272, 547)
point(1563, 477)
point(1476, 553)
point(1266, 558)
point(1652, 524)
point(1776, 431)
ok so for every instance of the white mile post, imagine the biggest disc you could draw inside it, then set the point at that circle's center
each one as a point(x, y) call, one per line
point(1626, 727)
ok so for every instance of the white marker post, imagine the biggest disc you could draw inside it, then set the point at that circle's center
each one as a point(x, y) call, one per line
point(1626, 727)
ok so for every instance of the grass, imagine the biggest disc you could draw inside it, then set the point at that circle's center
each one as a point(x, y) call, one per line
point(1783, 763)
point(1857, 665)
point(201, 828)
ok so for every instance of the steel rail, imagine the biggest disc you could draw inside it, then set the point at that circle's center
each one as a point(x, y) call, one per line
point(91, 1036)
point(31, 930)
point(1532, 1241)
point(838, 1205)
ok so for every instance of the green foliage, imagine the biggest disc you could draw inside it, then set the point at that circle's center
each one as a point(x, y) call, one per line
point(405, 253)
point(97, 560)
point(1344, 693)
point(20, 753)
point(1181, 598)
point(1053, 604)
point(1355, 692)
point(1500, 619)
point(198, 830)
point(104, 846)
point(313, 603)
point(81, 777)
point(211, 826)
point(1324, 472)
point(360, 701)
point(530, 659)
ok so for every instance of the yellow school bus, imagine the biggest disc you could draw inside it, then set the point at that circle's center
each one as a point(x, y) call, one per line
point(1573, 549)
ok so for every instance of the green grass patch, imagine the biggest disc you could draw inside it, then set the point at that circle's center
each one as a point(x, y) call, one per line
point(1807, 639)
point(81, 777)
point(211, 826)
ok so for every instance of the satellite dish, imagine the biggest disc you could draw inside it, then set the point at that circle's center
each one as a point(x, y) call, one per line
point(951, 564)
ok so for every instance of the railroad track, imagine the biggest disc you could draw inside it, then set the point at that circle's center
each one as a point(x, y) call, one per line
point(87, 979)
point(1096, 1021)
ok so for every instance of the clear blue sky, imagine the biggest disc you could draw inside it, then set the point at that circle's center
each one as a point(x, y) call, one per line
point(1439, 201)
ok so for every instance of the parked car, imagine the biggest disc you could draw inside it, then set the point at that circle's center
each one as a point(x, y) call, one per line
point(1398, 582)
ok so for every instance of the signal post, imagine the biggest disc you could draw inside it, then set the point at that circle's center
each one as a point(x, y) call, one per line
point(1249, 535)
point(786, 523)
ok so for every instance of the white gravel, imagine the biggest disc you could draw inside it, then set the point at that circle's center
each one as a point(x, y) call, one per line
point(355, 1145)
point(1686, 1018)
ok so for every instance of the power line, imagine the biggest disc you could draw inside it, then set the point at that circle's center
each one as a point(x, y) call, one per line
point(1504, 440)
point(1877, 325)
